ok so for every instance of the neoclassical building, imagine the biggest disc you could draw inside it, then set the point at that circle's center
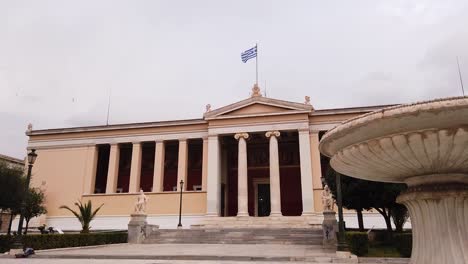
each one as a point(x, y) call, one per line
point(257, 157)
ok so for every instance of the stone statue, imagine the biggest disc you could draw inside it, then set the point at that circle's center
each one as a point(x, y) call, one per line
point(327, 199)
point(307, 100)
point(140, 205)
point(30, 127)
point(256, 91)
point(208, 108)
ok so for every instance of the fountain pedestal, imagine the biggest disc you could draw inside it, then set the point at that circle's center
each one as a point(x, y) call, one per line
point(438, 217)
point(424, 145)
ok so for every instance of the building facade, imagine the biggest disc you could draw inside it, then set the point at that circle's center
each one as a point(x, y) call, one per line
point(257, 157)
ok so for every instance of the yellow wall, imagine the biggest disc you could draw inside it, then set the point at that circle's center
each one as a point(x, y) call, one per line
point(62, 173)
point(158, 203)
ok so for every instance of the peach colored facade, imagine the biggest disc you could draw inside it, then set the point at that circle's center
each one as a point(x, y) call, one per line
point(68, 158)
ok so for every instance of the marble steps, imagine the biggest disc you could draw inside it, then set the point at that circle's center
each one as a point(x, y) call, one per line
point(236, 236)
point(299, 222)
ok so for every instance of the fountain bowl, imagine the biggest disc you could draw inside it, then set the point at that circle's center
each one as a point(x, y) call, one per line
point(424, 145)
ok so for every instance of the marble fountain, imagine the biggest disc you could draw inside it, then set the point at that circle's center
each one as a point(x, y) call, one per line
point(424, 145)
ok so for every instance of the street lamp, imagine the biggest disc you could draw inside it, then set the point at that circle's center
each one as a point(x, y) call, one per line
point(180, 205)
point(18, 241)
point(342, 246)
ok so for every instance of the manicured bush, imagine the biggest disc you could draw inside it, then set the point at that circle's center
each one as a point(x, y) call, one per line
point(5, 243)
point(404, 244)
point(358, 242)
point(65, 240)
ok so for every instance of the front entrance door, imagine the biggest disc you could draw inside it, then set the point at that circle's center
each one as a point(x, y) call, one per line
point(263, 199)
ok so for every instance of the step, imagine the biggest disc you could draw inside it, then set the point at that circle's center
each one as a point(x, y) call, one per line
point(284, 236)
point(299, 222)
point(214, 253)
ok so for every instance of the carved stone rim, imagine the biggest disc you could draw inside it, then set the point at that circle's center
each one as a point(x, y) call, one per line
point(437, 179)
point(388, 121)
point(433, 192)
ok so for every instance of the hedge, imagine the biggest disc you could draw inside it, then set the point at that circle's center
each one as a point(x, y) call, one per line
point(404, 244)
point(358, 242)
point(65, 240)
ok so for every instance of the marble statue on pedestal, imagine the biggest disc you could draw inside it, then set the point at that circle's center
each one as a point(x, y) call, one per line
point(329, 225)
point(140, 205)
point(327, 199)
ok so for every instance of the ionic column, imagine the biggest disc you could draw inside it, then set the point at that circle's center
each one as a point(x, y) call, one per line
point(275, 189)
point(242, 184)
point(158, 175)
point(182, 164)
point(135, 169)
point(205, 163)
point(306, 173)
point(213, 184)
point(113, 170)
point(316, 167)
point(91, 165)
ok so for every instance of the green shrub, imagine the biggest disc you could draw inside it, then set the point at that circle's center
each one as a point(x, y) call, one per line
point(5, 243)
point(66, 240)
point(404, 244)
point(358, 242)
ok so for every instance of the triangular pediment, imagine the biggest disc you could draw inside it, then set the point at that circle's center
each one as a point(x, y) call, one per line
point(258, 106)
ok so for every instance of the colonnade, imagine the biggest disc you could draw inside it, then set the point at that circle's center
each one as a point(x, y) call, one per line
point(211, 178)
point(213, 188)
point(136, 163)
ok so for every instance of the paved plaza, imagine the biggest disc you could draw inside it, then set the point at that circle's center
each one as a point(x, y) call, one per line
point(191, 253)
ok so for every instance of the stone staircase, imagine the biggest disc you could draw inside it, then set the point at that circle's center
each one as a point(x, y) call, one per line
point(301, 222)
point(286, 236)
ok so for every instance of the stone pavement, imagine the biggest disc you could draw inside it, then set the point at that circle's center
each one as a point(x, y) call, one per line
point(189, 253)
point(122, 261)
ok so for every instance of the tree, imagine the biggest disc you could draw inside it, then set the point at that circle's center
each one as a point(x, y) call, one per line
point(33, 205)
point(12, 182)
point(353, 197)
point(399, 216)
point(383, 197)
point(361, 195)
point(85, 214)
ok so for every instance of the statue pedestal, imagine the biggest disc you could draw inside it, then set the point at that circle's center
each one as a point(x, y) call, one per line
point(330, 228)
point(137, 228)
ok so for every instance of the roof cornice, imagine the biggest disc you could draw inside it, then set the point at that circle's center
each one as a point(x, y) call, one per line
point(116, 127)
point(11, 159)
point(349, 110)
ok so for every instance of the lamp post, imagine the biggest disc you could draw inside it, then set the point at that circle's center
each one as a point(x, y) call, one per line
point(180, 205)
point(18, 239)
point(342, 246)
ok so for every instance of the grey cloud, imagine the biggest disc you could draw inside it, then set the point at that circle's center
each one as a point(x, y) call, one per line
point(168, 59)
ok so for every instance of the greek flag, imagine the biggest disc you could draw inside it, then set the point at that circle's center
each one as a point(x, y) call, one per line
point(249, 54)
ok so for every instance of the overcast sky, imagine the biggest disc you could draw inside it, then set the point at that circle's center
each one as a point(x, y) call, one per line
point(166, 60)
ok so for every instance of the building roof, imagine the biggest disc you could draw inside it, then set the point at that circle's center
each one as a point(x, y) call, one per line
point(11, 159)
point(211, 114)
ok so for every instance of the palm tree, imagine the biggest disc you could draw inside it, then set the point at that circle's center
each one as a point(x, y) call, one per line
point(84, 215)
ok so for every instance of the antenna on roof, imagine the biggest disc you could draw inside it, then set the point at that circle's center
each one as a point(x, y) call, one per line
point(108, 106)
point(461, 79)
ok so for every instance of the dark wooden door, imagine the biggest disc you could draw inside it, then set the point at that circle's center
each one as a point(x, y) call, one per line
point(264, 207)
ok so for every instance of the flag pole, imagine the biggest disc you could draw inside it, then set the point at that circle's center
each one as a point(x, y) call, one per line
point(108, 106)
point(461, 79)
point(256, 65)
